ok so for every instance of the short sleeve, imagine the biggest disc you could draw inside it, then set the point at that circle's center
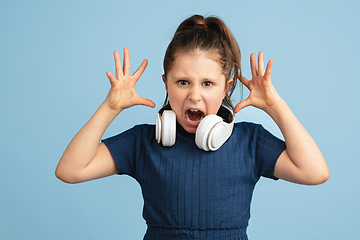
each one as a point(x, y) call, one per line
point(268, 150)
point(123, 150)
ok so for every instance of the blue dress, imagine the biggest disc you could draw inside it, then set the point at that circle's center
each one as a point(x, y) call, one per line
point(193, 194)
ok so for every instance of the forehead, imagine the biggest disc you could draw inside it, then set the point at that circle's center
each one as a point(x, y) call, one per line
point(199, 64)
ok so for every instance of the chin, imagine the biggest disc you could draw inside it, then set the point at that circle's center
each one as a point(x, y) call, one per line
point(189, 129)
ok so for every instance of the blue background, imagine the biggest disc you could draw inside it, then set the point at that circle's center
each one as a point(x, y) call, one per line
point(53, 59)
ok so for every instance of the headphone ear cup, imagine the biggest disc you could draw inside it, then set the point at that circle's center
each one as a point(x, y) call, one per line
point(158, 128)
point(168, 128)
point(218, 136)
point(203, 131)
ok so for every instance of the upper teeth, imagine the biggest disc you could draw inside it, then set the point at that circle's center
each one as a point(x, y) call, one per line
point(194, 110)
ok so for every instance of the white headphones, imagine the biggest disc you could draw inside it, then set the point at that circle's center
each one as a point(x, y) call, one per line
point(211, 133)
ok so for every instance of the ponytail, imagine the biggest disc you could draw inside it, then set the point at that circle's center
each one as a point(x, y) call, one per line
point(207, 34)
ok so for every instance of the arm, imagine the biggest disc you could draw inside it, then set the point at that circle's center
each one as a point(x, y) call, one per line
point(85, 159)
point(302, 161)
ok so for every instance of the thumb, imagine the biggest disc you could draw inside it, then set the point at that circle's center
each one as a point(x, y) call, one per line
point(241, 105)
point(146, 102)
point(112, 79)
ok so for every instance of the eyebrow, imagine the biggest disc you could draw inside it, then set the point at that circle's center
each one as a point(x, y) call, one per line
point(182, 77)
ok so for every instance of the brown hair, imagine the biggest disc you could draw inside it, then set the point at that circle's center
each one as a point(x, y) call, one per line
point(207, 34)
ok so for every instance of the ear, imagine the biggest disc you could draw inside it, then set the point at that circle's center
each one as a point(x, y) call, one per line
point(164, 80)
point(227, 85)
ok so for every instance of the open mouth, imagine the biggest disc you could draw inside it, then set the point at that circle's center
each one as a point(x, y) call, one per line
point(194, 116)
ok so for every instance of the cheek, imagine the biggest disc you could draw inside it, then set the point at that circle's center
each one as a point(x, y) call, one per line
point(172, 95)
point(214, 101)
point(175, 99)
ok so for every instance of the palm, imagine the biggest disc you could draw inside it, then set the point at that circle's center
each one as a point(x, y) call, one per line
point(122, 94)
point(262, 92)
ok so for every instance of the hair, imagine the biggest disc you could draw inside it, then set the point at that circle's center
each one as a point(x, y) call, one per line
point(208, 34)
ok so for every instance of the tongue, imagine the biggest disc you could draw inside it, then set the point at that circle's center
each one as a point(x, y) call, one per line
point(194, 116)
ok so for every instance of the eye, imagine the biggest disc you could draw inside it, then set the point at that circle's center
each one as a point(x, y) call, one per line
point(207, 84)
point(183, 82)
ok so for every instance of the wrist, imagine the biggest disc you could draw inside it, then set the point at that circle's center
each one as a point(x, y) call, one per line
point(108, 111)
point(278, 109)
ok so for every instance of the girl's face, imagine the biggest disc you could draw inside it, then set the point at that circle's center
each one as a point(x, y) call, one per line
point(196, 87)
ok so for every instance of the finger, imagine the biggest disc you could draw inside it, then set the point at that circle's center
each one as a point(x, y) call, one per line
point(111, 78)
point(244, 81)
point(146, 102)
point(261, 63)
point(118, 67)
point(126, 61)
point(141, 69)
point(254, 71)
point(242, 105)
point(267, 74)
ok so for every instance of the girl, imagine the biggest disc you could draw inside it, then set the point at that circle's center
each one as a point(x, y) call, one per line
point(196, 183)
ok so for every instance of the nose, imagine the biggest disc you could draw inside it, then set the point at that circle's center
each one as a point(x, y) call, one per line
point(195, 94)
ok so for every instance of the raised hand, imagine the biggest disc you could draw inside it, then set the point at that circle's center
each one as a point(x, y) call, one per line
point(302, 161)
point(122, 94)
point(85, 159)
point(262, 92)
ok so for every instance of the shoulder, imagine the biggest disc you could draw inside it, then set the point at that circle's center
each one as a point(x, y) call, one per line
point(253, 132)
point(248, 127)
point(245, 133)
point(259, 137)
point(141, 130)
point(245, 125)
point(144, 129)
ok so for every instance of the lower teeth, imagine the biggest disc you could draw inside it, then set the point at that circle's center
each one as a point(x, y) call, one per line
point(192, 121)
